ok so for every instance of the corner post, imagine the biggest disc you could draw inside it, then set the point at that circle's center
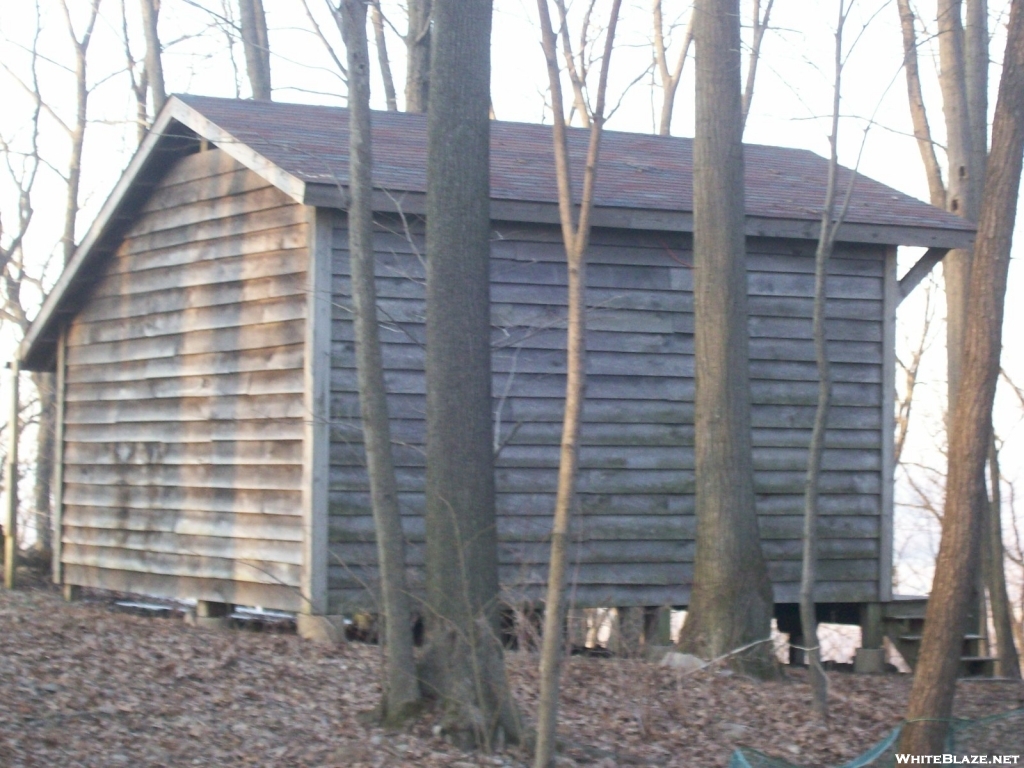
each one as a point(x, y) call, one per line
point(316, 433)
point(10, 517)
point(890, 300)
point(57, 517)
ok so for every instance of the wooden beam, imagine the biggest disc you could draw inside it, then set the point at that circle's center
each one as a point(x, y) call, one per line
point(317, 395)
point(920, 271)
point(891, 299)
point(58, 461)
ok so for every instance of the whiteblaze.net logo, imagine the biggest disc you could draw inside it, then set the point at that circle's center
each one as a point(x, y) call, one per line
point(957, 759)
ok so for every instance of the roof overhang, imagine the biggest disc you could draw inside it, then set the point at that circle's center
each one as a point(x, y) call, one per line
point(179, 129)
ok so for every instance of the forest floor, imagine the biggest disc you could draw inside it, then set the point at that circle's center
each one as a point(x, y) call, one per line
point(82, 684)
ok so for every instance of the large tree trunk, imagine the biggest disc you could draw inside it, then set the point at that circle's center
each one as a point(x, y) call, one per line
point(575, 237)
point(993, 560)
point(463, 664)
point(401, 690)
point(963, 79)
point(961, 198)
point(154, 53)
point(417, 51)
point(256, 46)
point(931, 698)
point(731, 601)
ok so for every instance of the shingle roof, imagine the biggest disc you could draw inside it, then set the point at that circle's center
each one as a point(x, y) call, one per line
point(636, 171)
point(644, 182)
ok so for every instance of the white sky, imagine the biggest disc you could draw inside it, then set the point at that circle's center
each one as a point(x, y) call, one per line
point(791, 107)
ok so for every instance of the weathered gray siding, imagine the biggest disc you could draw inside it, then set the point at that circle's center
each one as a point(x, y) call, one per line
point(183, 401)
point(635, 525)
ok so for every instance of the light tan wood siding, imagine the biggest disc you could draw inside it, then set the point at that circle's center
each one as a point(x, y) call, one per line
point(634, 525)
point(183, 404)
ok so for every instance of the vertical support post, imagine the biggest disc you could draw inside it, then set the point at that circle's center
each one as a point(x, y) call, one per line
point(657, 625)
point(57, 516)
point(870, 657)
point(10, 519)
point(316, 438)
point(890, 300)
point(871, 625)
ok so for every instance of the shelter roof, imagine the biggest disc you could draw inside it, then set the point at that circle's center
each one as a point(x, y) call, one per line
point(644, 182)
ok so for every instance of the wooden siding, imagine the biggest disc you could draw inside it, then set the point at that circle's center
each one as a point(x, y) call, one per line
point(635, 523)
point(183, 402)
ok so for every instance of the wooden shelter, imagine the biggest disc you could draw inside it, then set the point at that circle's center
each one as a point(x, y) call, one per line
point(209, 439)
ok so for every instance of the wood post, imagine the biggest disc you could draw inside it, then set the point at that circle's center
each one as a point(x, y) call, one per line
point(871, 625)
point(870, 657)
point(657, 625)
point(627, 632)
point(72, 593)
point(212, 615)
point(10, 516)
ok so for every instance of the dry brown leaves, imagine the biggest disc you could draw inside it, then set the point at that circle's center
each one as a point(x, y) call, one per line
point(81, 685)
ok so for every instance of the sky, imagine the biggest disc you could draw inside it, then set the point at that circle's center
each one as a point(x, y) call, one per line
point(791, 107)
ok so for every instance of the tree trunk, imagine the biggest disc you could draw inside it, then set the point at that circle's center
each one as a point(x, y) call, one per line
point(377, 19)
point(731, 601)
point(256, 46)
point(45, 434)
point(45, 444)
point(826, 243)
point(931, 697)
point(575, 236)
point(993, 560)
point(154, 53)
point(960, 199)
point(417, 51)
point(669, 80)
point(401, 689)
point(918, 114)
point(760, 24)
point(463, 663)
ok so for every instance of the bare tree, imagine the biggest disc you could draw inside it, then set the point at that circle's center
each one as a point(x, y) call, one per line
point(918, 113)
point(931, 697)
point(76, 129)
point(575, 236)
point(417, 47)
point(669, 79)
point(137, 78)
point(256, 45)
point(154, 54)
point(731, 600)
point(993, 560)
point(463, 664)
point(377, 19)
point(401, 690)
point(759, 25)
point(911, 371)
point(831, 219)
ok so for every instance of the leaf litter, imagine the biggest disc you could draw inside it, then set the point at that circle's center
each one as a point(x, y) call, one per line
point(83, 685)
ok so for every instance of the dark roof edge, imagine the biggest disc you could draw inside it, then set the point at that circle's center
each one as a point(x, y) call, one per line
point(414, 203)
